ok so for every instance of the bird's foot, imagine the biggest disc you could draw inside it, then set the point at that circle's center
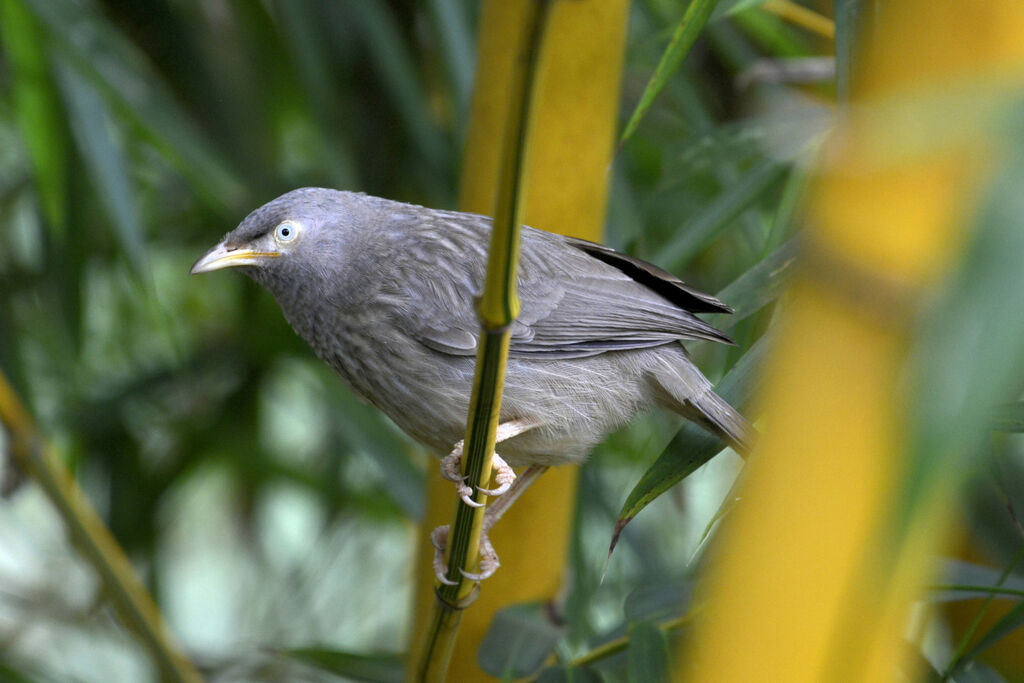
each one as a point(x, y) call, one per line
point(451, 469)
point(503, 476)
point(488, 562)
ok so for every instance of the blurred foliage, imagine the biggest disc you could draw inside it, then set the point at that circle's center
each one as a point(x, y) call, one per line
point(268, 510)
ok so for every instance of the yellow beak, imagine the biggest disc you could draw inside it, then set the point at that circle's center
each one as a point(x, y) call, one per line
point(227, 257)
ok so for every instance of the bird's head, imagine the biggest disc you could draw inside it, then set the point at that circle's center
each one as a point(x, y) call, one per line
point(297, 235)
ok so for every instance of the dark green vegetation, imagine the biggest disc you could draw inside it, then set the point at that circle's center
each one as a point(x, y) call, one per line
point(267, 509)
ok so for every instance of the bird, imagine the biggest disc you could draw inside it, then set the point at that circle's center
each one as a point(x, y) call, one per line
point(384, 293)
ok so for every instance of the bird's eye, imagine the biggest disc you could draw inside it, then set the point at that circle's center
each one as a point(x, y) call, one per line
point(285, 232)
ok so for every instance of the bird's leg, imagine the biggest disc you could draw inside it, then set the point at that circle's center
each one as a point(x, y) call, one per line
point(451, 464)
point(488, 557)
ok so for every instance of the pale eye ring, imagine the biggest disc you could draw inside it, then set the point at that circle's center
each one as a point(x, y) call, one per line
point(286, 232)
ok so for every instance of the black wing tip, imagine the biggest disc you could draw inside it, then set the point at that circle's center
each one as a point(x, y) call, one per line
point(654, 278)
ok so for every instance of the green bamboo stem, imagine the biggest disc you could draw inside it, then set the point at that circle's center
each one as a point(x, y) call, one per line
point(618, 645)
point(94, 541)
point(497, 309)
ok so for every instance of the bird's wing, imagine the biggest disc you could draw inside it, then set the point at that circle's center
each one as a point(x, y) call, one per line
point(578, 298)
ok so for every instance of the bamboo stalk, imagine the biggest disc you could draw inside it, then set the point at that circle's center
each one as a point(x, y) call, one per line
point(498, 308)
point(94, 541)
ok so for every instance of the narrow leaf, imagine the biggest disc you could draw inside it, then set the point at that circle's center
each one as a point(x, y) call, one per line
point(458, 52)
point(1009, 623)
point(520, 639)
point(700, 231)
point(647, 655)
point(845, 12)
point(125, 78)
point(728, 7)
point(757, 287)
point(35, 108)
point(397, 69)
point(569, 674)
point(91, 127)
point(692, 446)
point(1009, 418)
point(381, 668)
point(685, 36)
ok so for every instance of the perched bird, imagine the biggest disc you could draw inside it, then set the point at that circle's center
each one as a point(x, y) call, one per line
point(384, 294)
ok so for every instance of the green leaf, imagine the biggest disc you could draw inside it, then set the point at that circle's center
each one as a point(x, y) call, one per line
point(657, 601)
point(396, 68)
point(703, 228)
point(727, 7)
point(846, 16)
point(569, 674)
point(647, 655)
point(91, 126)
point(1008, 624)
point(381, 668)
point(685, 36)
point(969, 350)
point(36, 108)
point(1009, 418)
point(96, 49)
point(458, 52)
point(519, 640)
point(692, 446)
point(757, 287)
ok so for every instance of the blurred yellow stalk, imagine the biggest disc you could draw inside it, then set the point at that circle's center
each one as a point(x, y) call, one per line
point(805, 584)
point(121, 585)
point(571, 148)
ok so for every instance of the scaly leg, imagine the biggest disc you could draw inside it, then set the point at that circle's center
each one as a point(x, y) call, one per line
point(488, 557)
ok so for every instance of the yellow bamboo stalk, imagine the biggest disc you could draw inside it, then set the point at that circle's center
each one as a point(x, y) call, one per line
point(94, 541)
point(801, 16)
point(796, 589)
point(571, 149)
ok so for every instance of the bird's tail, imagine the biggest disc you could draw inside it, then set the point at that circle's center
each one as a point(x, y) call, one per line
point(690, 394)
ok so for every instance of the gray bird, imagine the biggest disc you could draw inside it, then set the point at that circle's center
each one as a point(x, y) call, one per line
point(384, 294)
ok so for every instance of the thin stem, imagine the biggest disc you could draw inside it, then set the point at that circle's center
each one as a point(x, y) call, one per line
point(613, 647)
point(92, 538)
point(498, 308)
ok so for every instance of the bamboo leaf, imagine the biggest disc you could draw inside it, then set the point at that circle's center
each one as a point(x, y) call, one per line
point(758, 286)
point(686, 33)
point(1008, 624)
point(692, 446)
point(1009, 418)
point(647, 654)
point(458, 52)
point(518, 642)
point(381, 668)
point(91, 127)
point(727, 7)
point(846, 18)
point(700, 231)
point(657, 601)
point(959, 373)
point(122, 74)
point(397, 69)
point(569, 674)
point(36, 108)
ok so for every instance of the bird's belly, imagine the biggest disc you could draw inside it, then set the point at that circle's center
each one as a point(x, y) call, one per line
point(574, 403)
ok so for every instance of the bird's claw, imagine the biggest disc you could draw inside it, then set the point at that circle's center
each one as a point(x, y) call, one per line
point(503, 477)
point(488, 558)
point(439, 539)
point(451, 469)
point(466, 494)
point(451, 465)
